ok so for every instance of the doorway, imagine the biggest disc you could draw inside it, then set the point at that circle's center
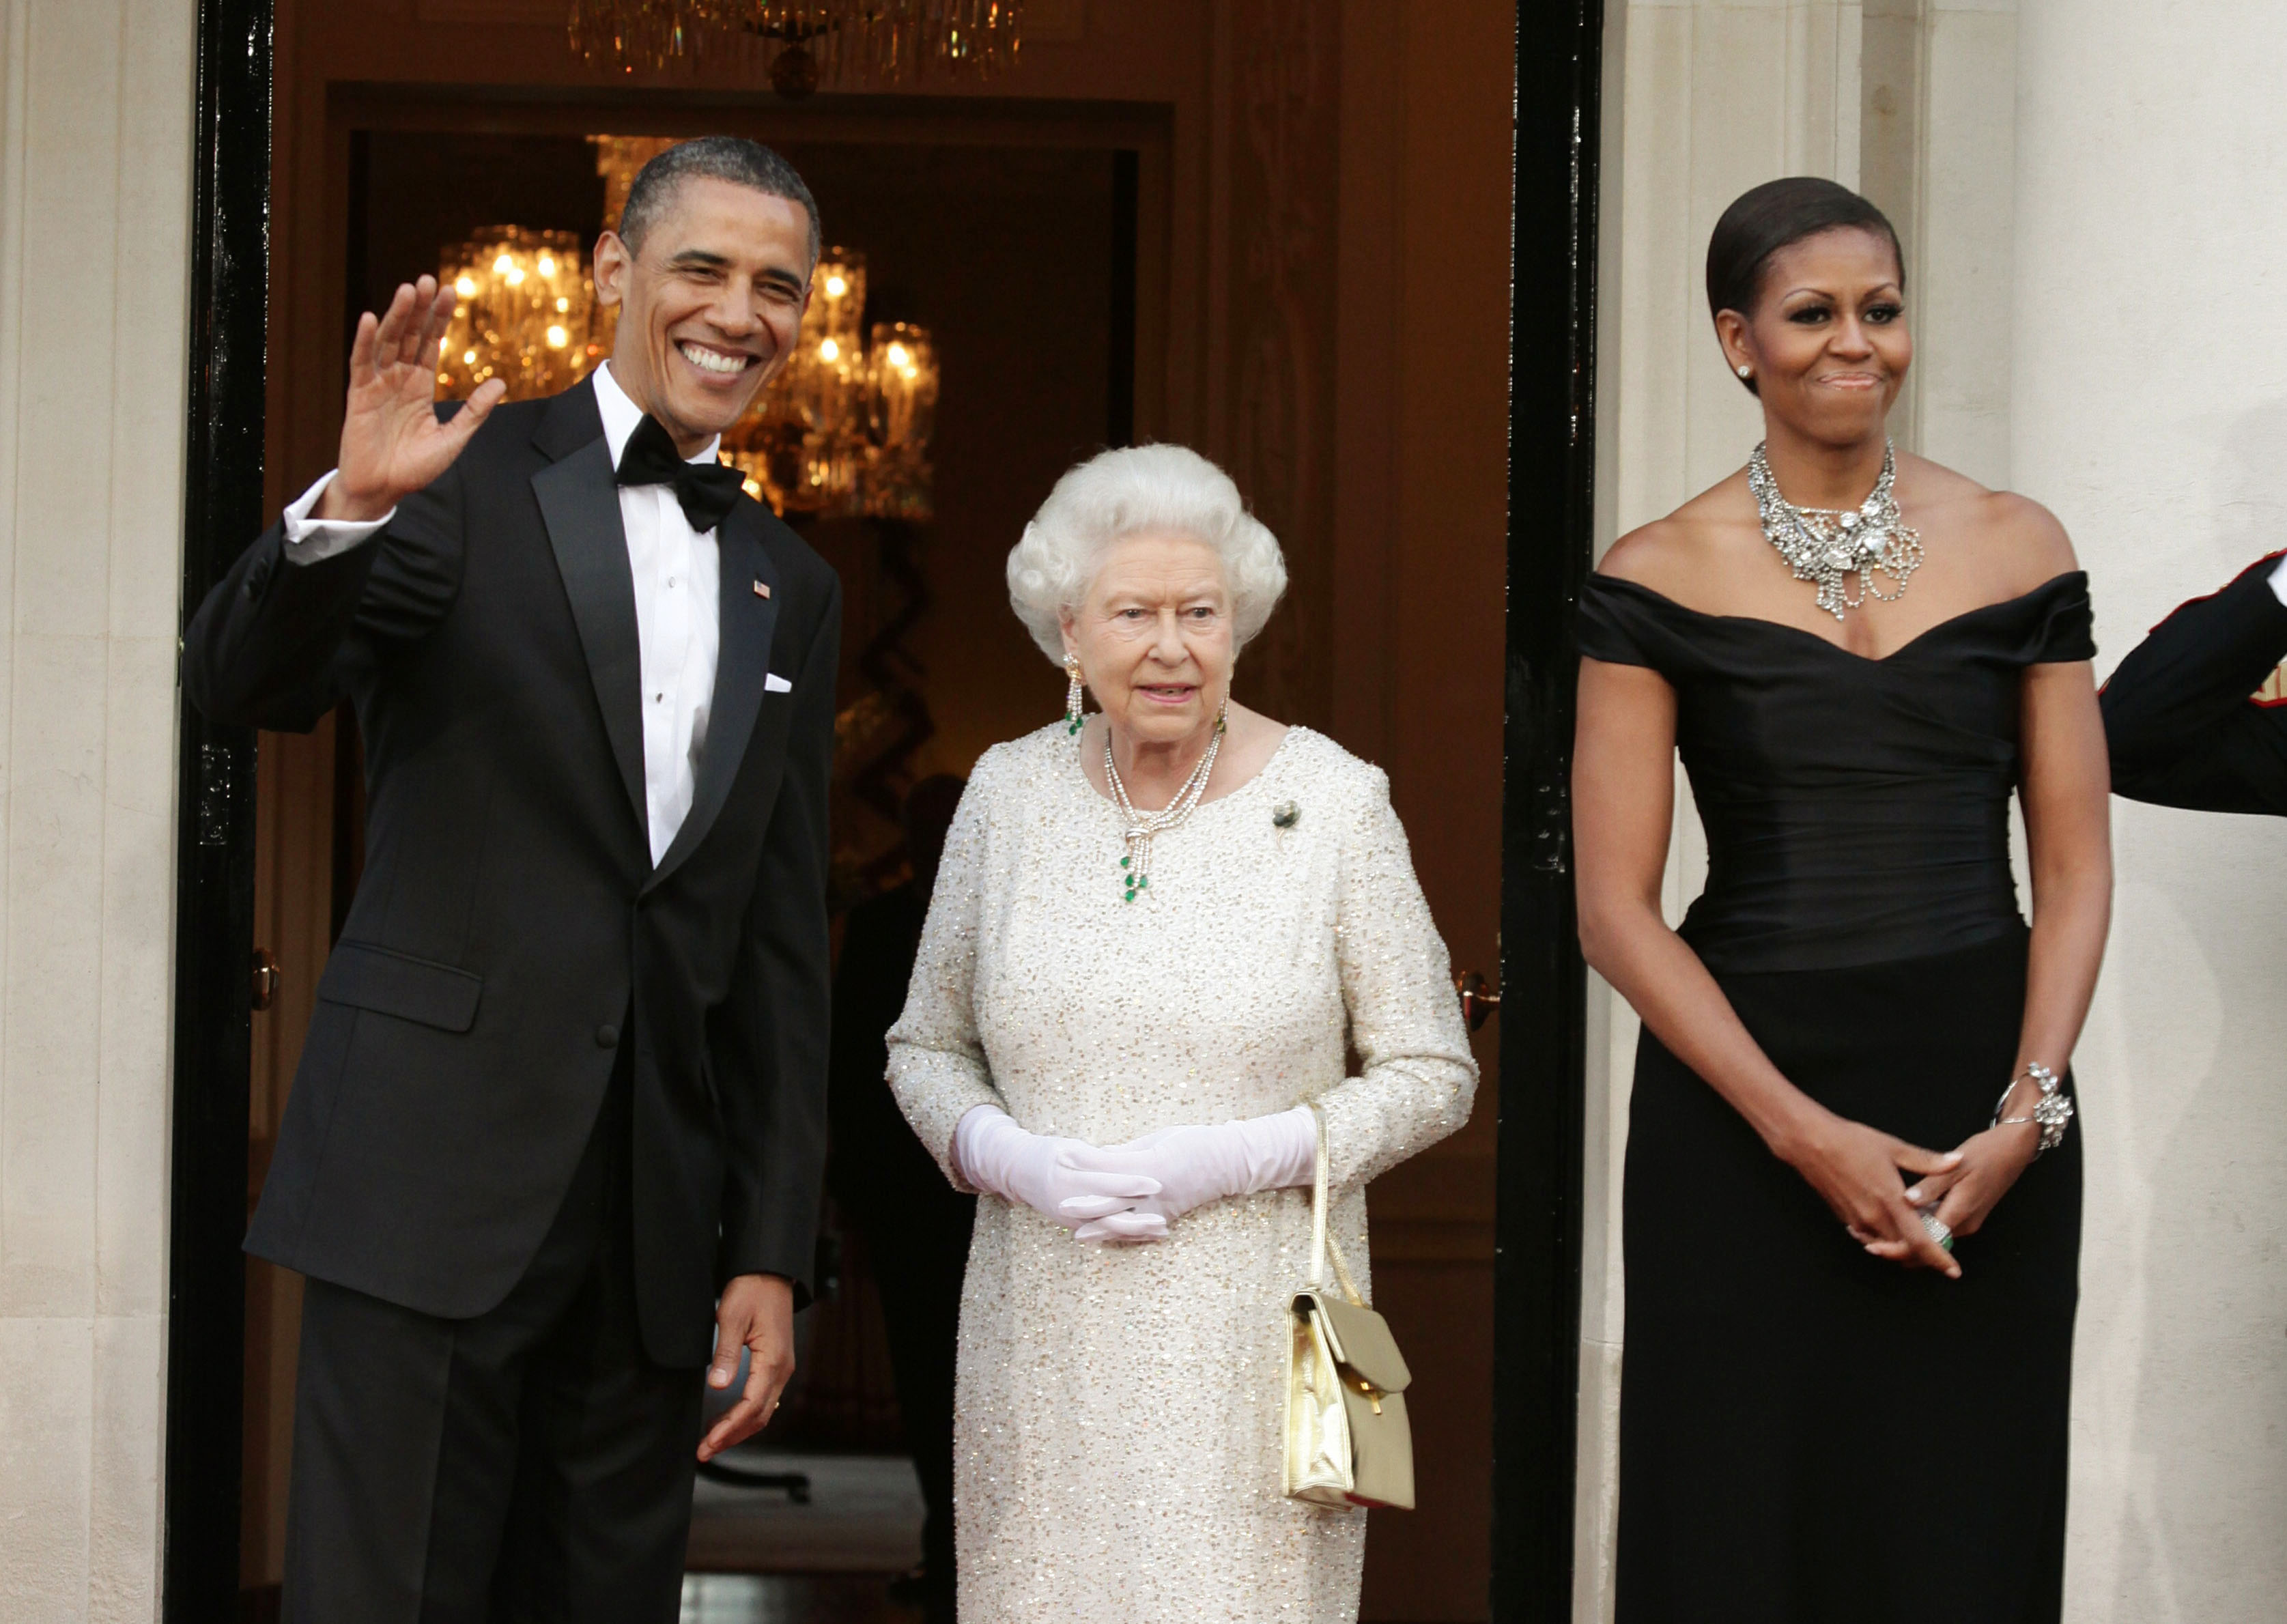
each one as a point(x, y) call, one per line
point(1017, 261)
point(1263, 370)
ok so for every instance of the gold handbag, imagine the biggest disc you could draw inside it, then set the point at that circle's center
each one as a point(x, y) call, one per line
point(1347, 1442)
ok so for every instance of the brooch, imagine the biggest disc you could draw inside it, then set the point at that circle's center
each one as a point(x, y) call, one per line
point(1285, 815)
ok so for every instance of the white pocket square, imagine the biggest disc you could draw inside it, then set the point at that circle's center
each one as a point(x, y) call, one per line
point(772, 682)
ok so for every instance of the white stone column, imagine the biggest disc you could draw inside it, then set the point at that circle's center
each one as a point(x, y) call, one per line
point(95, 183)
point(2148, 409)
point(1702, 100)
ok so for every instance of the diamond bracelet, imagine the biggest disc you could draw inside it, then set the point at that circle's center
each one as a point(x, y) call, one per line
point(2049, 1113)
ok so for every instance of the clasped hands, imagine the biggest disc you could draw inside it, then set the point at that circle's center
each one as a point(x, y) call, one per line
point(1129, 1194)
point(1857, 1169)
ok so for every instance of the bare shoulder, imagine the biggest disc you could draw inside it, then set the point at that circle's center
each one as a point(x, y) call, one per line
point(1671, 554)
point(1645, 553)
point(2026, 545)
point(2029, 533)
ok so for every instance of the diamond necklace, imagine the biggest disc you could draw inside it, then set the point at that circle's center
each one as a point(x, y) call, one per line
point(1135, 865)
point(1826, 544)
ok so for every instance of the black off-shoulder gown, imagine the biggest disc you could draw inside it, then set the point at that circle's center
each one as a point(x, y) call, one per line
point(1808, 1433)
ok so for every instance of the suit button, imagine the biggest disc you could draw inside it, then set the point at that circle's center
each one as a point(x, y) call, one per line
point(608, 1037)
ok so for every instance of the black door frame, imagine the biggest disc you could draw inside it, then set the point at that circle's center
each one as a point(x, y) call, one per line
point(214, 876)
point(1552, 456)
point(1544, 982)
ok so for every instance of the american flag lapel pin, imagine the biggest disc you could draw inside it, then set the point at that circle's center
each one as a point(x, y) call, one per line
point(762, 588)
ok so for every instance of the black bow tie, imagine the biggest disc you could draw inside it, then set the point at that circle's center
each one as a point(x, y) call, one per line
point(708, 491)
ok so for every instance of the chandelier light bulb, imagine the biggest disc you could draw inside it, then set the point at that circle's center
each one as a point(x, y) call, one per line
point(835, 287)
point(900, 357)
point(827, 349)
point(523, 316)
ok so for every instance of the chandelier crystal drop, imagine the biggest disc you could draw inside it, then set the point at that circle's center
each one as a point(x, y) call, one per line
point(806, 45)
point(1829, 545)
point(523, 308)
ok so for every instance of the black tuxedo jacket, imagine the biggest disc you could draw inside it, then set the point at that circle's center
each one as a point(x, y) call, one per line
point(511, 933)
point(2182, 715)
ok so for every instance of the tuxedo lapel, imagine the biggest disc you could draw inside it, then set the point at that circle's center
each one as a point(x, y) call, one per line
point(742, 667)
point(580, 500)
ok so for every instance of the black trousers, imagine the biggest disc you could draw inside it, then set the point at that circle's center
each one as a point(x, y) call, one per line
point(529, 1464)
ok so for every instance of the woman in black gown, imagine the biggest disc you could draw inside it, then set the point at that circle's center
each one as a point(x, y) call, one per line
point(1826, 1415)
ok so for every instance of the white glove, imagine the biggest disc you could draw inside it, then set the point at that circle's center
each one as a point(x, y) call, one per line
point(1193, 1166)
point(1043, 1173)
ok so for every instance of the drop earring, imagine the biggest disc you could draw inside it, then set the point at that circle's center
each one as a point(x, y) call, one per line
point(1073, 719)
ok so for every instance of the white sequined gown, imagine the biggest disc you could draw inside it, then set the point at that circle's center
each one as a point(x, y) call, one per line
point(1116, 1439)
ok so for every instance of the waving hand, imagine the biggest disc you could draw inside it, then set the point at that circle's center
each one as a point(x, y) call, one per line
point(392, 443)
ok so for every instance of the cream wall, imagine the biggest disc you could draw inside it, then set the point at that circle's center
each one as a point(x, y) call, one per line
point(95, 133)
point(2095, 217)
point(2148, 409)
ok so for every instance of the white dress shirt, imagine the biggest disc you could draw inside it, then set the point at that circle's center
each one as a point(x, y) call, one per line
point(678, 614)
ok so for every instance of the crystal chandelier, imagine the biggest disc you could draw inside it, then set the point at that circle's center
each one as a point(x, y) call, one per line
point(523, 304)
point(808, 44)
point(843, 430)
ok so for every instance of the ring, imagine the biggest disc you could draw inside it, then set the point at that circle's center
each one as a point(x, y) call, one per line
point(1938, 1231)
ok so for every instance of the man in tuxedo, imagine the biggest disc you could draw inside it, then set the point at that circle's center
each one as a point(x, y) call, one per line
point(2196, 715)
point(557, 1138)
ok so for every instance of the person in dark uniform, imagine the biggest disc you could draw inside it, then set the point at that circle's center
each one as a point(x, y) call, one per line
point(914, 1224)
point(2196, 716)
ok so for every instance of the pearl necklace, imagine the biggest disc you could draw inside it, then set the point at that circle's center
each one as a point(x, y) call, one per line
point(1135, 865)
point(1826, 544)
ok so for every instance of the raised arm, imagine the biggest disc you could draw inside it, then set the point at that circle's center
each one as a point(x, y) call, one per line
point(265, 647)
point(1623, 804)
point(2179, 718)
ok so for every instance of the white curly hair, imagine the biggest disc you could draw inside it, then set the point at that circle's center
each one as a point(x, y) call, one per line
point(1115, 494)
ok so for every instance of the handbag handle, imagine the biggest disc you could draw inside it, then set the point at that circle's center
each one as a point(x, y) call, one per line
point(1321, 1242)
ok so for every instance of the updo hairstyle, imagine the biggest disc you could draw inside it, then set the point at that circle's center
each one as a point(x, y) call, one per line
point(1115, 494)
point(1775, 215)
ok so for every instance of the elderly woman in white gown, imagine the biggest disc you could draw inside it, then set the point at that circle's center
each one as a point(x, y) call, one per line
point(1113, 1037)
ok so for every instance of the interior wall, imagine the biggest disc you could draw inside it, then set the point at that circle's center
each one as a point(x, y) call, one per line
point(96, 99)
point(2148, 192)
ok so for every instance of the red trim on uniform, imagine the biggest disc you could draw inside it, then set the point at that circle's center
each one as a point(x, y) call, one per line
point(2268, 558)
point(2252, 698)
